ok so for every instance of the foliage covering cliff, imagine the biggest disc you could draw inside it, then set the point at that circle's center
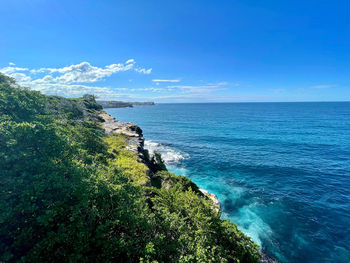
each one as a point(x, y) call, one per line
point(71, 194)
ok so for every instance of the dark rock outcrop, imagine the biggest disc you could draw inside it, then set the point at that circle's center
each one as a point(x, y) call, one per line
point(132, 132)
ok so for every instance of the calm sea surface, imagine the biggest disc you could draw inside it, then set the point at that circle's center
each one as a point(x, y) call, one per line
point(280, 170)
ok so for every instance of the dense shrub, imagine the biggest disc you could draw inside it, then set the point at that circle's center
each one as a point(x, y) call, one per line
point(70, 194)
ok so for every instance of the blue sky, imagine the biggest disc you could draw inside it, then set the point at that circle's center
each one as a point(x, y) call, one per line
point(179, 51)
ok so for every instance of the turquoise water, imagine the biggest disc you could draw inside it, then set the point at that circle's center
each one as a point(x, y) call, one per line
point(280, 170)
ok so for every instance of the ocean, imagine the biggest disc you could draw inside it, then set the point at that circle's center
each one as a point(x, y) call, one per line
point(280, 170)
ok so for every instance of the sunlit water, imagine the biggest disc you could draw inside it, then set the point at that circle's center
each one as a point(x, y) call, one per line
point(280, 170)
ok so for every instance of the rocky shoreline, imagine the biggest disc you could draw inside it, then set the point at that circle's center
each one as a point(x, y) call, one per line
point(136, 140)
point(136, 143)
point(132, 132)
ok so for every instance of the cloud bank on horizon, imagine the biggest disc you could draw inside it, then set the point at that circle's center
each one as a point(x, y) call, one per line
point(83, 78)
point(79, 79)
point(73, 80)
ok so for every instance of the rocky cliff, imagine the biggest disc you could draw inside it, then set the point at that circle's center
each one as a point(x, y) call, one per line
point(136, 142)
point(132, 132)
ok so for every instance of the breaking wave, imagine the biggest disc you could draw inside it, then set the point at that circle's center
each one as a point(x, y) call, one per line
point(169, 155)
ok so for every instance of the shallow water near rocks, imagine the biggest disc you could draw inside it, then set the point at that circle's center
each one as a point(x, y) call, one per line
point(280, 170)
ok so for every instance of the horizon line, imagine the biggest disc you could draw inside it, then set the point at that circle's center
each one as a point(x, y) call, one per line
point(223, 102)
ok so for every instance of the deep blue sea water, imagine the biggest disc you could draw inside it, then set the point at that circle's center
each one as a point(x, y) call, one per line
point(280, 170)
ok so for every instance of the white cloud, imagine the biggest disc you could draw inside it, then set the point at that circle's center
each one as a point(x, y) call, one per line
point(149, 89)
point(184, 90)
point(82, 78)
point(21, 77)
point(12, 64)
point(208, 88)
point(11, 70)
point(222, 83)
point(85, 72)
point(143, 70)
point(165, 80)
point(324, 86)
point(183, 98)
point(71, 81)
point(45, 79)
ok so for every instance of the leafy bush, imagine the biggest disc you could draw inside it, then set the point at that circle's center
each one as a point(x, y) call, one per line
point(126, 162)
point(70, 194)
point(156, 163)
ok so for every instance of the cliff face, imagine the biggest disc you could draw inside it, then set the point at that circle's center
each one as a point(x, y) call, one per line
point(132, 132)
point(135, 141)
point(73, 193)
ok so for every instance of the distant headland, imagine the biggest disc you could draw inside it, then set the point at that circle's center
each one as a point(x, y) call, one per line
point(122, 104)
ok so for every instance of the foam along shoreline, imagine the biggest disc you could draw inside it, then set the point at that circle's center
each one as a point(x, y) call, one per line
point(136, 143)
point(169, 155)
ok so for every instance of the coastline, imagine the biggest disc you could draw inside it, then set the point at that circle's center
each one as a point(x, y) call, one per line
point(136, 142)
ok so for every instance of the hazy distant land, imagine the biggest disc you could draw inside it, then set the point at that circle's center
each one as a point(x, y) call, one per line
point(121, 104)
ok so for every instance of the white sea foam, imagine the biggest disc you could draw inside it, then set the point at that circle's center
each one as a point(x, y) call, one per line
point(252, 225)
point(169, 155)
point(247, 217)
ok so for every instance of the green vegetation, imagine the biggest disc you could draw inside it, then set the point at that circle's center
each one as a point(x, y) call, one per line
point(69, 193)
point(126, 162)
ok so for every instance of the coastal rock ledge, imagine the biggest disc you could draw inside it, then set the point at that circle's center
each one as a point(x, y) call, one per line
point(132, 132)
point(136, 142)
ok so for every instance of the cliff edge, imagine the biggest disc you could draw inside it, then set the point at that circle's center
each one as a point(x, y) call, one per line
point(75, 190)
point(135, 143)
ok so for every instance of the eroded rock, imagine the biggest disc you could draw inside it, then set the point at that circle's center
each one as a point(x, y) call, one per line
point(213, 198)
point(132, 132)
point(136, 141)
